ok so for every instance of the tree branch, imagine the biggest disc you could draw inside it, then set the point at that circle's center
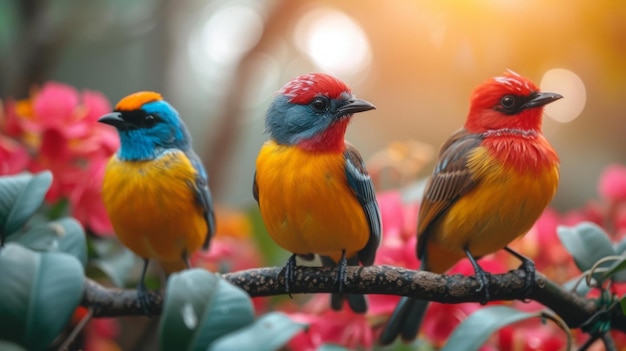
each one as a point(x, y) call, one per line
point(386, 280)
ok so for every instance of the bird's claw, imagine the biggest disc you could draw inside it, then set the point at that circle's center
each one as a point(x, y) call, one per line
point(529, 269)
point(483, 284)
point(528, 266)
point(144, 298)
point(288, 271)
point(481, 276)
point(340, 278)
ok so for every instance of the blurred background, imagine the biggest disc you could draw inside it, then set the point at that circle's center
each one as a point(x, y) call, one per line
point(220, 62)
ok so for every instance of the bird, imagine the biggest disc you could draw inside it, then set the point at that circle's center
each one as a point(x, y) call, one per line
point(492, 180)
point(312, 187)
point(155, 188)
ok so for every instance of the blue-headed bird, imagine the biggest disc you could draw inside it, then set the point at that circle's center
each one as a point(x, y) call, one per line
point(312, 187)
point(493, 179)
point(155, 187)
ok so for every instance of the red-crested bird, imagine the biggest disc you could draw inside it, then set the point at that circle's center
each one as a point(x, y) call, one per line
point(313, 190)
point(493, 179)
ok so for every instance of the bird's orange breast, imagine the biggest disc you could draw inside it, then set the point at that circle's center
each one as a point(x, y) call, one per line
point(306, 203)
point(504, 204)
point(152, 206)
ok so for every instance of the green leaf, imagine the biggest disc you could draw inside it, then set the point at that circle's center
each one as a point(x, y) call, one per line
point(40, 291)
point(472, 333)
point(64, 235)
point(581, 289)
point(20, 197)
point(268, 333)
point(587, 243)
point(200, 307)
point(9, 346)
point(622, 304)
point(617, 270)
point(116, 266)
point(331, 347)
point(620, 246)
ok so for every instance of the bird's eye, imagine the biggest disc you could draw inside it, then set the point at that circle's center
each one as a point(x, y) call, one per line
point(320, 104)
point(508, 101)
point(150, 120)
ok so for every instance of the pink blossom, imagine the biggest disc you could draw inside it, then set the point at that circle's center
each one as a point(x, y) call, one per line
point(13, 156)
point(531, 335)
point(100, 335)
point(398, 244)
point(612, 184)
point(232, 248)
point(60, 126)
point(344, 328)
point(55, 105)
point(86, 199)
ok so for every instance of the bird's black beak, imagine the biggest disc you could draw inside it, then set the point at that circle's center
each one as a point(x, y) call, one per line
point(114, 118)
point(541, 99)
point(354, 106)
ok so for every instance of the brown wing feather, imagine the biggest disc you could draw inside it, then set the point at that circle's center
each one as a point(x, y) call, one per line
point(450, 180)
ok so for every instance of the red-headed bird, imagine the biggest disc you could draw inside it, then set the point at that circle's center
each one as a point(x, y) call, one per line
point(493, 179)
point(155, 187)
point(313, 190)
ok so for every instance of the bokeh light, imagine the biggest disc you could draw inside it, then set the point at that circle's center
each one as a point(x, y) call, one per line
point(568, 84)
point(230, 32)
point(333, 41)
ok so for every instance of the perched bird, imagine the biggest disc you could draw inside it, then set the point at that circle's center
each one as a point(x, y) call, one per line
point(155, 188)
point(493, 179)
point(313, 190)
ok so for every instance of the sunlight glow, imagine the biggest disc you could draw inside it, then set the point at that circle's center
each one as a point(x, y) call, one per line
point(568, 84)
point(230, 32)
point(333, 41)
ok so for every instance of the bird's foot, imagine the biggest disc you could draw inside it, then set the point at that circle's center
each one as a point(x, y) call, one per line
point(144, 298)
point(528, 266)
point(142, 292)
point(481, 276)
point(483, 284)
point(340, 278)
point(288, 271)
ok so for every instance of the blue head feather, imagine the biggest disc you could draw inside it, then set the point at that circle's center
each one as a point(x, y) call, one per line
point(289, 123)
point(145, 142)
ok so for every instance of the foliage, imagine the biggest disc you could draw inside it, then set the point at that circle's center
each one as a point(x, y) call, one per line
point(46, 255)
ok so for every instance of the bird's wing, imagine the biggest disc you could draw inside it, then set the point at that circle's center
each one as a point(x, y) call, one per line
point(200, 186)
point(361, 183)
point(450, 180)
point(255, 189)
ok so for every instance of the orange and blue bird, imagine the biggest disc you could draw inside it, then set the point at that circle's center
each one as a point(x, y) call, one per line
point(493, 179)
point(155, 188)
point(312, 187)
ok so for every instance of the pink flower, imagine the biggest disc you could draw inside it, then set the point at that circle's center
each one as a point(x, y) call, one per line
point(232, 248)
point(100, 335)
point(531, 335)
point(398, 244)
point(441, 319)
point(60, 126)
point(612, 185)
point(13, 156)
point(344, 328)
point(86, 200)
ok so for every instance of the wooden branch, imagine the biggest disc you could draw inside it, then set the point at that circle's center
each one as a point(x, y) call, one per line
point(386, 280)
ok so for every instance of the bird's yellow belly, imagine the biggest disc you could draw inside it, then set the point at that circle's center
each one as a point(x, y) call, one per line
point(152, 206)
point(502, 207)
point(306, 203)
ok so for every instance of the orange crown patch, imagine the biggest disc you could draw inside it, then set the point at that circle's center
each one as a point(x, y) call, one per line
point(136, 100)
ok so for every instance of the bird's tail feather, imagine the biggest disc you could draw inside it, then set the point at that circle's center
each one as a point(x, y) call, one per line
point(357, 303)
point(405, 320)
